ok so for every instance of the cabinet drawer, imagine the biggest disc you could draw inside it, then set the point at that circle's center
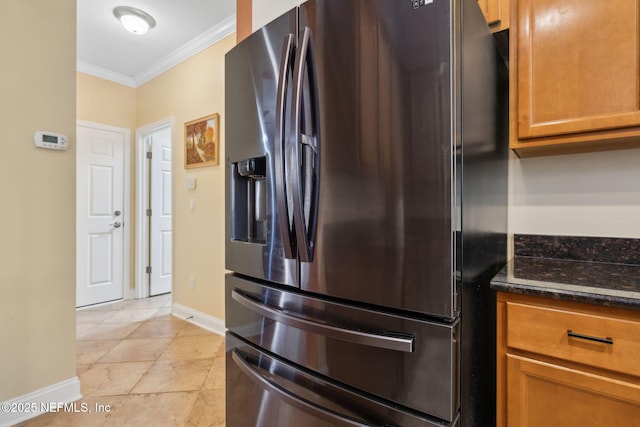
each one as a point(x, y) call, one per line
point(594, 340)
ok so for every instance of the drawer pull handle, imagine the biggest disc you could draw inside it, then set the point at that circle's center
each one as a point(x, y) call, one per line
point(607, 340)
point(397, 342)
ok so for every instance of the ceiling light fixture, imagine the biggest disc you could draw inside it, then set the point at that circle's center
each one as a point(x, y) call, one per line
point(134, 20)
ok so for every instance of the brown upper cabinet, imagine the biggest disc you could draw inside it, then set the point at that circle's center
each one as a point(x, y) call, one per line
point(575, 76)
point(496, 12)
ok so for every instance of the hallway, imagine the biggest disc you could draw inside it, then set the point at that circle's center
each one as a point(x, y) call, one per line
point(138, 366)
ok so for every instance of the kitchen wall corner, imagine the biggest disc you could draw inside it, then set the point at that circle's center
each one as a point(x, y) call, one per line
point(193, 89)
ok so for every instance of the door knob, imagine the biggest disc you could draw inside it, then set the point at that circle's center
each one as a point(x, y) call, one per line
point(116, 225)
point(117, 213)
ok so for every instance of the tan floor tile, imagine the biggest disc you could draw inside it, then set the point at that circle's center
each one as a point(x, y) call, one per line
point(209, 409)
point(136, 350)
point(127, 315)
point(221, 350)
point(185, 386)
point(193, 347)
point(152, 302)
point(159, 328)
point(85, 328)
point(162, 313)
point(113, 305)
point(164, 316)
point(93, 316)
point(144, 410)
point(88, 352)
point(112, 378)
point(215, 379)
point(104, 331)
point(174, 375)
point(193, 330)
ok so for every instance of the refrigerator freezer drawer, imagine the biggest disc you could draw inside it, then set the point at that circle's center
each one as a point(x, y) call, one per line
point(267, 391)
point(407, 361)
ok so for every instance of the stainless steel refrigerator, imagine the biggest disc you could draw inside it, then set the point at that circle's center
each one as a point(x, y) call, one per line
point(366, 170)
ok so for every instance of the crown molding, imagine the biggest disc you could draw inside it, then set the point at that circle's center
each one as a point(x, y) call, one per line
point(186, 51)
point(103, 73)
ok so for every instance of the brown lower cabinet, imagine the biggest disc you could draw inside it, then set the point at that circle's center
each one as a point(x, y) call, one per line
point(563, 363)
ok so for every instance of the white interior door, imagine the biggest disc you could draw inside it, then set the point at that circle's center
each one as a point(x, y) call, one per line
point(160, 224)
point(99, 215)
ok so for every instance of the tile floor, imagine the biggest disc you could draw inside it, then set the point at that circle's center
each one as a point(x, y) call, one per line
point(140, 366)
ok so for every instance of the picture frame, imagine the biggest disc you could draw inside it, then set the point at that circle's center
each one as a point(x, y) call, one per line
point(202, 142)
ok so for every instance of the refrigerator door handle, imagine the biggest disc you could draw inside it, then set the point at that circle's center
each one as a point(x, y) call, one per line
point(398, 342)
point(280, 161)
point(306, 148)
point(291, 398)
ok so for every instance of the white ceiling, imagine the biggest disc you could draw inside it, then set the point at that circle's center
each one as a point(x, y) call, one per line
point(183, 28)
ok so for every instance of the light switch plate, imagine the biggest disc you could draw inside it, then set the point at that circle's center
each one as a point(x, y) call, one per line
point(191, 183)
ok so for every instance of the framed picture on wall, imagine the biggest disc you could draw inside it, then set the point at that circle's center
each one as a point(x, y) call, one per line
point(202, 142)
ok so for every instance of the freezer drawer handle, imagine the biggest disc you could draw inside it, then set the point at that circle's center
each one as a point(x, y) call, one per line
point(291, 398)
point(397, 342)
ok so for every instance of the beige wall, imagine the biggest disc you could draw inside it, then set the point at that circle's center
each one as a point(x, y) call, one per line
point(106, 102)
point(37, 248)
point(193, 89)
point(594, 194)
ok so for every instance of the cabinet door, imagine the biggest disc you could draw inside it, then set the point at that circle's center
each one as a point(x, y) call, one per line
point(577, 66)
point(496, 12)
point(542, 394)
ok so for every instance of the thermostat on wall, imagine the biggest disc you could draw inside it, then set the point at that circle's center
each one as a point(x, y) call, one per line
point(51, 140)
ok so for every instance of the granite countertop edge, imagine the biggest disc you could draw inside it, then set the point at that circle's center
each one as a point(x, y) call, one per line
point(505, 282)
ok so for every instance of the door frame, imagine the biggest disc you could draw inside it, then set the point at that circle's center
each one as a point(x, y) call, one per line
point(127, 292)
point(142, 201)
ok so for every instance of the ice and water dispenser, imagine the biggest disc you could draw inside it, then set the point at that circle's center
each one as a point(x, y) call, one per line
point(249, 200)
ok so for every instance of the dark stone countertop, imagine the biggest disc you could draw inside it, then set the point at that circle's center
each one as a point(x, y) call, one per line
point(602, 283)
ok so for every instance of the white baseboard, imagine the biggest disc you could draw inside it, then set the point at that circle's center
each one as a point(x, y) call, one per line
point(196, 317)
point(36, 403)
